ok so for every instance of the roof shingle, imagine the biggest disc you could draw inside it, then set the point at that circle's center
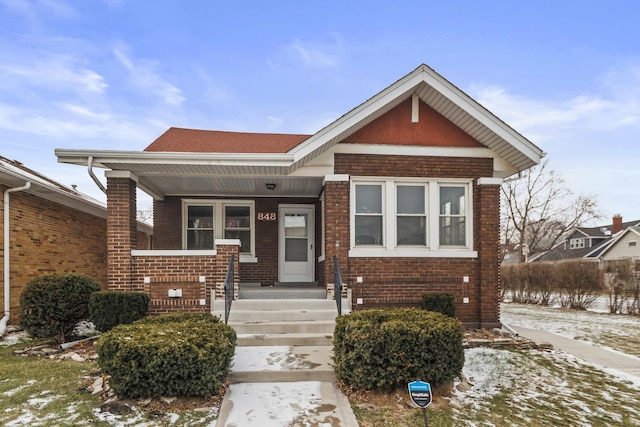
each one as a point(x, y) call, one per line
point(181, 140)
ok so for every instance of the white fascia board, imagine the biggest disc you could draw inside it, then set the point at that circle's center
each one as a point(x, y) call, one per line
point(102, 157)
point(403, 86)
point(483, 115)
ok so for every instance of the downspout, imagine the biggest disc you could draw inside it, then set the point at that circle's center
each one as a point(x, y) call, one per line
point(93, 175)
point(7, 260)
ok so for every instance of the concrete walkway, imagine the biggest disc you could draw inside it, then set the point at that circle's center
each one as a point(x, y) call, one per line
point(282, 372)
point(585, 351)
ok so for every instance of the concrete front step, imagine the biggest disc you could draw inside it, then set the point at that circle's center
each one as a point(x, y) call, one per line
point(282, 293)
point(284, 327)
point(309, 339)
point(282, 364)
point(286, 315)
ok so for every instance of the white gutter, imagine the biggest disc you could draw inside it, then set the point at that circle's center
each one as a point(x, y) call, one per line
point(93, 175)
point(7, 263)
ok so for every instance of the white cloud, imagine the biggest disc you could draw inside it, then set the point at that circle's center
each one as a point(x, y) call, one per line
point(144, 76)
point(53, 72)
point(311, 54)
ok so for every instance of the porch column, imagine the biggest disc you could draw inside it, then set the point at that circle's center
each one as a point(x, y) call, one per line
point(488, 211)
point(337, 236)
point(121, 228)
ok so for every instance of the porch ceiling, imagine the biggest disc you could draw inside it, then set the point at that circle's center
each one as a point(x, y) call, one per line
point(230, 186)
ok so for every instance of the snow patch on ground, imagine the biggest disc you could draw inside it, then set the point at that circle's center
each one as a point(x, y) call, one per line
point(267, 358)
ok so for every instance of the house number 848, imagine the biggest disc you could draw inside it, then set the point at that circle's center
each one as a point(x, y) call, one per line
point(266, 216)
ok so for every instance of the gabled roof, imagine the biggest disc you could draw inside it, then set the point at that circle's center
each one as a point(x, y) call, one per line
point(231, 161)
point(629, 230)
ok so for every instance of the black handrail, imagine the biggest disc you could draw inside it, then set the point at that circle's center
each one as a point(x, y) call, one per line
point(337, 284)
point(229, 288)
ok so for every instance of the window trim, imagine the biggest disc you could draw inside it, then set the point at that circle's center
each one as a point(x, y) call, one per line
point(219, 221)
point(432, 212)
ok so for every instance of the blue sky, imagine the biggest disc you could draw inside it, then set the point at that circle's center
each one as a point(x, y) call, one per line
point(115, 74)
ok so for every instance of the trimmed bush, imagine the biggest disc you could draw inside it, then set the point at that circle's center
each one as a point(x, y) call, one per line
point(169, 355)
point(108, 309)
point(52, 305)
point(440, 303)
point(383, 349)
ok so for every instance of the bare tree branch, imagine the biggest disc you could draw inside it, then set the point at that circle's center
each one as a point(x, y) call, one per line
point(538, 209)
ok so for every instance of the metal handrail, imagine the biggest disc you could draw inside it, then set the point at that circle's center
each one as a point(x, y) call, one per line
point(229, 288)
point(337, 284)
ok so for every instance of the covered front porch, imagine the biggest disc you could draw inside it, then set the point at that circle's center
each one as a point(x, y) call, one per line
point(272, 226)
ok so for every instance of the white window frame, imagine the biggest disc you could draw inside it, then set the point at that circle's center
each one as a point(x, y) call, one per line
point(219, 221)
point(577, 243)
point(389, 214)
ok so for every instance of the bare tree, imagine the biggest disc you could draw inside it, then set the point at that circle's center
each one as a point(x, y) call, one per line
point(145, 215)
point(538, 209)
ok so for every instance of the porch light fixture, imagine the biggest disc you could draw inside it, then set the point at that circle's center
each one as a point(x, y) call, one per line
point(271, 186)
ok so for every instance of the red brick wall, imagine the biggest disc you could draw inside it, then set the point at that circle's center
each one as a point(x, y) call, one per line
point(395, 127)
point(47, 238)
point(168, 235)
point(402, 281)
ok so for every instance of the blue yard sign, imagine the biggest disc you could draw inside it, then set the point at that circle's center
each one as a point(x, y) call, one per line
point(420, 393)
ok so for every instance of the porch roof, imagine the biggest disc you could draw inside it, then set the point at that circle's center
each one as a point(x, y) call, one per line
point(211, 159)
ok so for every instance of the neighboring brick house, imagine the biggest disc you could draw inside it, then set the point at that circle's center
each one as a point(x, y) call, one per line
point(49, 228)
point(404, 189)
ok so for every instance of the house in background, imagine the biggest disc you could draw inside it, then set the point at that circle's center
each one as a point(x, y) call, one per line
point(403, 190)
point(588, 243)
point(49, 228)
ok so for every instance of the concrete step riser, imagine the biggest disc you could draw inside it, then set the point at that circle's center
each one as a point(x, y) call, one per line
point(249, 316)
point(285, 339)
point(281, 376)
point(317, 327)
point(279, 304)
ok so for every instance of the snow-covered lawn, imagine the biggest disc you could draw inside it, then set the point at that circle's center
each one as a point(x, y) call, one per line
point(615, 331)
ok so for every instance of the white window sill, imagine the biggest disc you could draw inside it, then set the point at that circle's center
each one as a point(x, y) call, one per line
point(210, 252)
point(248, 259)
point(408, 253)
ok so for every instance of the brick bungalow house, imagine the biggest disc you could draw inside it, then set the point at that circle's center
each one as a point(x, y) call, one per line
point(49, 228)
point(404, 189)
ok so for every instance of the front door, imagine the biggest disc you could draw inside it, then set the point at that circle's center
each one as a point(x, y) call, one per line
point(296, 260)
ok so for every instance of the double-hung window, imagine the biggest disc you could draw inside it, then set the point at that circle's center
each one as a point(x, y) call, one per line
point(369, 224)
point(207, 220)
point(411, 215)
point(405, 216)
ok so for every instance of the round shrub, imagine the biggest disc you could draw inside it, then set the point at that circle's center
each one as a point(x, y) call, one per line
point(108, 309)
point(383, 349)
point(169, 355)
point(52, 305)
point(439, 302)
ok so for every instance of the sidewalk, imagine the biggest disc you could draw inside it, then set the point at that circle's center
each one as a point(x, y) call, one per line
point(585, 351)
point(308, 395)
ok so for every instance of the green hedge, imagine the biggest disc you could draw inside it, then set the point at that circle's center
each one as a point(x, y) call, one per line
point(440, 303)
point(169, 355)
point(52, 305)
point(382, 349)
point(108, 309)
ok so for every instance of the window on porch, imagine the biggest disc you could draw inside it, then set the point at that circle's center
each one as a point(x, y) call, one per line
point(207, 220)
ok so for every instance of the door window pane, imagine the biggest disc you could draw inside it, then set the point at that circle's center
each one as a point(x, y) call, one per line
point(295, 250)
point(295, 225)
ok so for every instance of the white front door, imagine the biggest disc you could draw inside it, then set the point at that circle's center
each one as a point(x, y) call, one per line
point(296, 260)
